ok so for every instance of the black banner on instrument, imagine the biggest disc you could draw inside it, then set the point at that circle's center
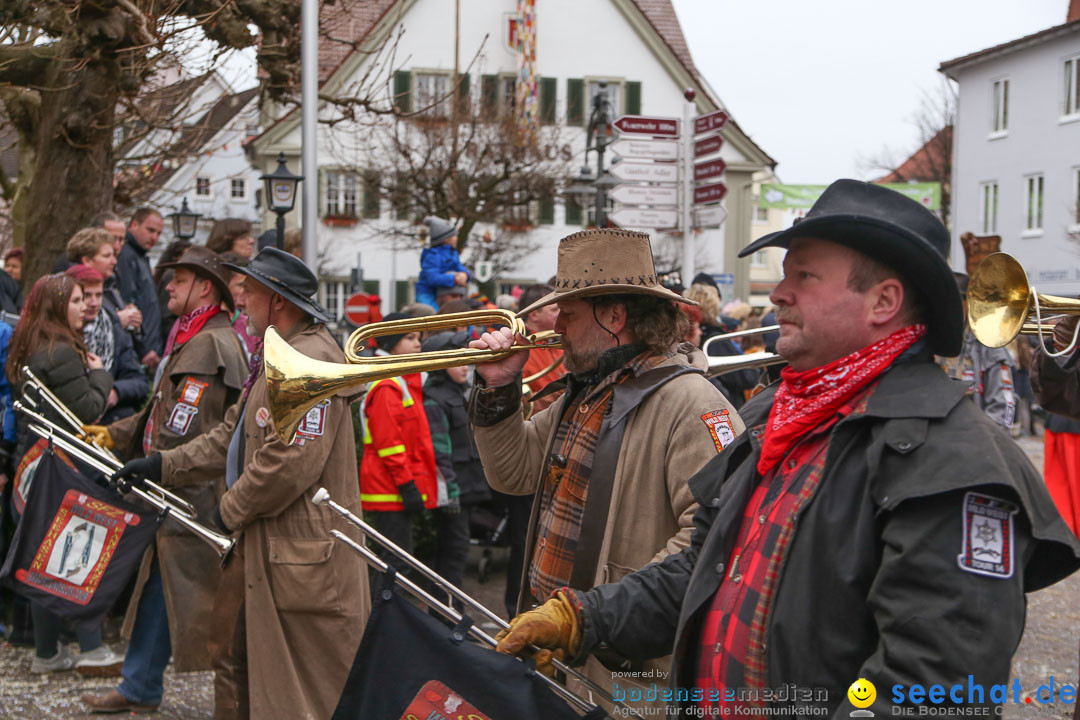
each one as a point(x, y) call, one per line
point(411, 665)
point(76, 545)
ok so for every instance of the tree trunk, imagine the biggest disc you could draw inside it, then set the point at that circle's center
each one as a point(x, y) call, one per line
point(73, 175)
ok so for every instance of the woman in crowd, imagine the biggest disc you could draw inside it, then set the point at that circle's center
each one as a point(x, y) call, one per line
point(96, 247)
point(705, 292)
point(105, 338)
point(232, 234)
point(48, 339)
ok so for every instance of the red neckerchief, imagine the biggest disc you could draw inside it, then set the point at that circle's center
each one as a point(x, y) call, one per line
point(185, 327)
point(806, 399)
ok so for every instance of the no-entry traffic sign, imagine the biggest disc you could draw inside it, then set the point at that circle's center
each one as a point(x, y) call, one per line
point(642, 125)
point(358, 308)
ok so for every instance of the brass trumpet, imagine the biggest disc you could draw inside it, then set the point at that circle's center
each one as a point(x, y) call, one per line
point(1001, 304)
point(296, 383)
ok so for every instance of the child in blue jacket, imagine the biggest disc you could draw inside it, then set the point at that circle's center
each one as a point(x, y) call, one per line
point(440, 265)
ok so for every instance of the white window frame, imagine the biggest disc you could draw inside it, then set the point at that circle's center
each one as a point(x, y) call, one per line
point(243, 197)
point(999, 107)
point(1070, 101)
point(336, 198)
point(619, 84)
point(423, 95)
point(1034, 204)
point(758, 212)
point(209, 194)
point(333, 292)
point(989, 203)
point(760, 259)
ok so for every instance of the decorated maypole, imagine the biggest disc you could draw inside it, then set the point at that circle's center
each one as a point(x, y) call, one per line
point(527, 100)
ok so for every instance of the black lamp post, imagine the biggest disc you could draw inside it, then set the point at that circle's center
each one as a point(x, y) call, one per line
point(280, 192)
point(599, 135)
point(184, 221)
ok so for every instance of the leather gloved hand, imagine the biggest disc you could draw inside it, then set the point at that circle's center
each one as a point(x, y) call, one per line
point(136, 472)
point(99, 434)
point(453, 504)
point(411, 498)
point(215, 516)
point(555, 627)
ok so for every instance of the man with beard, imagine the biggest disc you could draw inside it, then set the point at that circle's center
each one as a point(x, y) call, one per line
point(871, 525)
point(608, 464)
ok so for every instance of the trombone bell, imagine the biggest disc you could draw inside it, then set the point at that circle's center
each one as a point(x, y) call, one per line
point(1001, 304)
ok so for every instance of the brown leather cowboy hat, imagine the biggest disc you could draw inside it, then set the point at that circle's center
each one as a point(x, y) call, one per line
point(206, 263)
point(605, 261)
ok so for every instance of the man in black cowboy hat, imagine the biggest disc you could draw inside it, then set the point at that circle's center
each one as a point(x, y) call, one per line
point(289, 610)
point(871, 524)
point(200, 378)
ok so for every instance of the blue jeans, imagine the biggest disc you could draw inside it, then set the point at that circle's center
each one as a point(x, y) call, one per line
point(150, 647)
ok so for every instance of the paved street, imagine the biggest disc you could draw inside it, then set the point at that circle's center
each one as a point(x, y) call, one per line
point(1048, 650)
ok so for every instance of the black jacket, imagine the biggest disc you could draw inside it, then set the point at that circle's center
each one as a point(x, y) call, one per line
point(732, 384)
point(129, 379)
point(871, 585)
point(449, 402)
point(10, 295)
point(136, 285)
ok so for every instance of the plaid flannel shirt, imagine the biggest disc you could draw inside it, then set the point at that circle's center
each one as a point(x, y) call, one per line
point(566, 483)
point(731, 656)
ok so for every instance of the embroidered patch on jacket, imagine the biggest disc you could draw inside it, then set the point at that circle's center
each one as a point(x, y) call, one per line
point(436, 700)
point(180, 418)
point(719, 424)
point(262, 416)
point(988, 536)
point(193, 391)
point(314, 421)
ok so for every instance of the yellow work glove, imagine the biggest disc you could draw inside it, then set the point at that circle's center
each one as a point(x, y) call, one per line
point(99, 434)
point(553, 627)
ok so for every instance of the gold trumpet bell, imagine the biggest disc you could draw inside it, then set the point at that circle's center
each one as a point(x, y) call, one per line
point(1001, 305)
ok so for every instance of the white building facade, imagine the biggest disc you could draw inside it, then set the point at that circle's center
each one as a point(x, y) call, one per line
point(635, 46)
point(1016, 153)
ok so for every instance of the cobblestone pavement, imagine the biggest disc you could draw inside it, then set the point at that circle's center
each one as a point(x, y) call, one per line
point(1047, 656)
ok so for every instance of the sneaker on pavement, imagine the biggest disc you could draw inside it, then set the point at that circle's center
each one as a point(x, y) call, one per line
point(59, 662)
point(114, 702)
point(99, 662)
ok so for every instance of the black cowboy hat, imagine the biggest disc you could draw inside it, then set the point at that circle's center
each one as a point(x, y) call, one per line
point(897, 232)
point(206, 263)
point(289, 277)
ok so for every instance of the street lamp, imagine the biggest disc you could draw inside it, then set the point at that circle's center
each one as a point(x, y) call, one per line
point(599, 135)
point(184, 221)
point(280, 192)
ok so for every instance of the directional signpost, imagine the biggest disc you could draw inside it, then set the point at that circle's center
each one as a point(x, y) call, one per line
point(709, 169)
point(645, 218)
point(646, 149)
point(709, 145)
point(710, 216)
point(646, 172)
point(667, 196)
point(709, 193)
point(641, 125)
point(710, 121)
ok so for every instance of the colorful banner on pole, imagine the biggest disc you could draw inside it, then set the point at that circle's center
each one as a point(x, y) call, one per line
point(801, 197)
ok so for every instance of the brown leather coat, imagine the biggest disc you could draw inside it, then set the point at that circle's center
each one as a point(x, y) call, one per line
point(306, 597)
point(202, 379)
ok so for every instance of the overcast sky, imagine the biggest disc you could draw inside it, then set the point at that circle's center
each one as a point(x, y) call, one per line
point(819, 84)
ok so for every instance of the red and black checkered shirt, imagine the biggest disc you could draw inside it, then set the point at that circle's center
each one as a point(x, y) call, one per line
point(732, 652)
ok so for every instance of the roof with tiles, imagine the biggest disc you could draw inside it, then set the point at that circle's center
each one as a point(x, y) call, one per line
point(927, 163)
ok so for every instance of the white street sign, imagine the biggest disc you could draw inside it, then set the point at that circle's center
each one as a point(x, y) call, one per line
point(645, 218)
point(484, 270)
point(645, 195)
point(710, 216)
point(646, 172)
point(647, 149)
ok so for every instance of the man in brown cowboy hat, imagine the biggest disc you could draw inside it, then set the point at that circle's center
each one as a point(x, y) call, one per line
point(201, 377)
point(608, 464)
point(871, 525)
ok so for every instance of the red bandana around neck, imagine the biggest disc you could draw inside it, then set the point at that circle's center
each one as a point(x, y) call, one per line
point(185, 327)
point(806, 399)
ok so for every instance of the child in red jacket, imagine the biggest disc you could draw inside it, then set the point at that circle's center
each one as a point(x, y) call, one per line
point(397, 473)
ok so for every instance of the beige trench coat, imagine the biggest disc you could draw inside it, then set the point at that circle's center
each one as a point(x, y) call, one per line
point(652, 509)
point(306, 598)
point(210, 368)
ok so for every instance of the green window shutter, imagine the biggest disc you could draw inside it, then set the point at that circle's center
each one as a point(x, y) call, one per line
point(371, 194)
point(573, 212)
point(401, 294)
point(463, 91)
point(548, 90)
point(403, 90)
point(575, 101)
point(489, 92)
point(371, 287)
point(547, 210)
point(633, 98)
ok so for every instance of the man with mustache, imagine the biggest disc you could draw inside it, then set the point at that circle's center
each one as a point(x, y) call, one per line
point(607, 465)
point(870, 524)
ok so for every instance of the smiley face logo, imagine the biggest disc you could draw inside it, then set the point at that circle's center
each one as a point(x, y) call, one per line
point(862, 693)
